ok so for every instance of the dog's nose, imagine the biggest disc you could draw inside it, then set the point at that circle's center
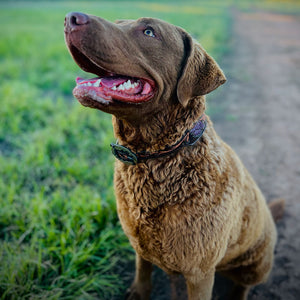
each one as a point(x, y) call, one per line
point(74, 20)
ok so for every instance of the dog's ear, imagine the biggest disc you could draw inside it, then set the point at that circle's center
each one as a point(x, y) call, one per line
point(200, 73)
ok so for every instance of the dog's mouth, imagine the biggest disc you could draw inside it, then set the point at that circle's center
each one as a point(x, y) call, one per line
point(108, 86)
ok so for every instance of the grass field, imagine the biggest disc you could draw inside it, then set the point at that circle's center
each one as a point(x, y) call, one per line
point(59, 232)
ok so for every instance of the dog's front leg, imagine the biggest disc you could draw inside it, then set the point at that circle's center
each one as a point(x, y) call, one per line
point(199, 287)
point(141, 286)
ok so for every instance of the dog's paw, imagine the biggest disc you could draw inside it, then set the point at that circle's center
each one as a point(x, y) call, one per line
point(136, 292)
point(132, 295)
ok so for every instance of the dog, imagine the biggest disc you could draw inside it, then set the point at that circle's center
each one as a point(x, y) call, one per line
point(184, 198)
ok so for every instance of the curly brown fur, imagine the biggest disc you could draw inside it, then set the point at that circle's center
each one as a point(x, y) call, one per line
point(196, 211)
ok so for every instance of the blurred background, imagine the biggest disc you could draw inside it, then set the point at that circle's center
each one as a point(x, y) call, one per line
point(59, 232)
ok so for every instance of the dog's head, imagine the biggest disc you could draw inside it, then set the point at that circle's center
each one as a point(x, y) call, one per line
point(141, 65)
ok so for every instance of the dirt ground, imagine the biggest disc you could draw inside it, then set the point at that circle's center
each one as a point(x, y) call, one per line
point(260, 118)
point(262, 124)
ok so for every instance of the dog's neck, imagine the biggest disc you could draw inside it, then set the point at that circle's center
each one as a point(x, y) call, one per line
point(161, 130)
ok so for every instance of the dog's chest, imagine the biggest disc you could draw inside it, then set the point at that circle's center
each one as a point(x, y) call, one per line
point(160, 213)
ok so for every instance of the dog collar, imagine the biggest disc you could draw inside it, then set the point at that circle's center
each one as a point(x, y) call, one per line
point(189, 138)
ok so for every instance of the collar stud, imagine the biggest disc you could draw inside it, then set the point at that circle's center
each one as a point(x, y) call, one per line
point(124, 154)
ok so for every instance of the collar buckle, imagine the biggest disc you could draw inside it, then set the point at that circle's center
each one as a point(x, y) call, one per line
point(123, 154)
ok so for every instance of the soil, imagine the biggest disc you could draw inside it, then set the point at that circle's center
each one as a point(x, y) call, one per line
point(259, 117)
point(262, 124)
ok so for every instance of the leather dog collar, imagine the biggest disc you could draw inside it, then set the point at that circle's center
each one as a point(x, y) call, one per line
point(189, 138)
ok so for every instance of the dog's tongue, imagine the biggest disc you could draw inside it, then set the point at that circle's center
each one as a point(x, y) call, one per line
point(108, 82)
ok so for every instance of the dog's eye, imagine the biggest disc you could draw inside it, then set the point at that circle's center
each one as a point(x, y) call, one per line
point(149, 32)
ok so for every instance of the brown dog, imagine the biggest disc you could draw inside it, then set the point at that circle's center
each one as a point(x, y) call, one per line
point(185, 200)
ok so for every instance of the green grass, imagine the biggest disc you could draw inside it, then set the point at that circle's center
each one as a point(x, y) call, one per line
point(59, 233)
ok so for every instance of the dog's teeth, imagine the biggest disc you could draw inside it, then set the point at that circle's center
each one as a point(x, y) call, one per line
point(89, 84)
point(128, 85)
point(97, 83)
point(125, 86)
point(121, 87)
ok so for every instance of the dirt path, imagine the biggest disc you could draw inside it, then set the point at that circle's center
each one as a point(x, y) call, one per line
point(262, 123)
